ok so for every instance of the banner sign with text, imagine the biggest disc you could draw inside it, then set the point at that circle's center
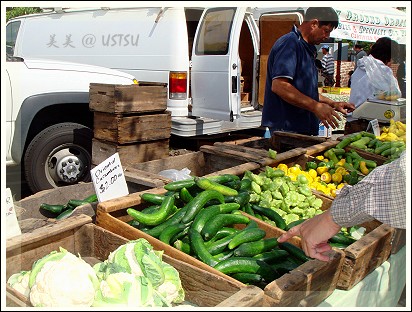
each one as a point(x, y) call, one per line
point(370, 24)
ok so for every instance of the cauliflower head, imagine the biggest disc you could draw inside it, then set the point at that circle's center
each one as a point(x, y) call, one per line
point(62, 279)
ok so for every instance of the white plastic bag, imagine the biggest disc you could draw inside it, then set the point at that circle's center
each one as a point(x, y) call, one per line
point(176, 175)
point(385, 86)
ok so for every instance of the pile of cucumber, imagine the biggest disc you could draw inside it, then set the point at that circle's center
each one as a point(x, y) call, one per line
point(60, 211)
point(202, 217)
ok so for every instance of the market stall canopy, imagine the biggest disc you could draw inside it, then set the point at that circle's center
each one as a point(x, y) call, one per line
point(369, 24)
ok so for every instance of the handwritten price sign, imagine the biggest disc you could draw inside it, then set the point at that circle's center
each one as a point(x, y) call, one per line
point(108, 179)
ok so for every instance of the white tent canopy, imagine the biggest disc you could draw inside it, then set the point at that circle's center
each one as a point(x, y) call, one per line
point(369, 24)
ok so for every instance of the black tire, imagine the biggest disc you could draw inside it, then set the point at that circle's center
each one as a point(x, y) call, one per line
point(59, 155)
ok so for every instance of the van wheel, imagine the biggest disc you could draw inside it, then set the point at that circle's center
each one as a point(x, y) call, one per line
point(59, 155)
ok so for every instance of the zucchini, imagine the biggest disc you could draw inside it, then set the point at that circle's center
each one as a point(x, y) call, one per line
point(155, 218)
point(217, 222)
point(294, 251)
point(199, 248)
point(251, 249)
point(246, 235)
point(197, 203)
point(271, 214)
point(206, 184)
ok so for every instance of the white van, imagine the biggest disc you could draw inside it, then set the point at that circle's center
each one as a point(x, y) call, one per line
point(213, 59)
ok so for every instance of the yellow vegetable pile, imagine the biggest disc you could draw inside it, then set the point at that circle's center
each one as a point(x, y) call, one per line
point(395, 132)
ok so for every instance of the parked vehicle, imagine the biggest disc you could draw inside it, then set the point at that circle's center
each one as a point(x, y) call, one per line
point(213, 59)
point(49, 127)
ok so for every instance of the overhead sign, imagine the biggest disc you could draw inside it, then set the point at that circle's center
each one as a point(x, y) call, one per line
point(370, 24)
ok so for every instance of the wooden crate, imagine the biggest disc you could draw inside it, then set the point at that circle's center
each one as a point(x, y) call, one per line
point(94, 244)
point(200, 163)
point(283, 141)
point(124, 129)
point(129, 154)
point(307, 285)
point(128, 99)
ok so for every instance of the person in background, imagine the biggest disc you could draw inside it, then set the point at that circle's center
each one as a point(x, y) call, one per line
point(382, 52)
point(292, 101)
point(350, 78)
point(328, 64)
point(380, 195)
point(359, 54)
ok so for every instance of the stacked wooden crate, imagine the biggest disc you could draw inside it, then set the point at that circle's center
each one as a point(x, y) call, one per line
point(131, 120)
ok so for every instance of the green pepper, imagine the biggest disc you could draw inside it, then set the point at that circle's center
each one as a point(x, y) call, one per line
point(311, 165)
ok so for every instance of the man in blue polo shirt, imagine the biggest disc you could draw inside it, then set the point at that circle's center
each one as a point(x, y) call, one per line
point(292, 101)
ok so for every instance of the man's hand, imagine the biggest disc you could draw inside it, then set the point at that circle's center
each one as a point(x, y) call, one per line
point(344, 107)
point(315, 233)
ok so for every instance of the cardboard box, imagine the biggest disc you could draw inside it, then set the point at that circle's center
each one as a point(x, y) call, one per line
point(94, 244)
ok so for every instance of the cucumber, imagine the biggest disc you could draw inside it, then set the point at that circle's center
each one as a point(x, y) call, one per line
point(203, 216)
point(65, 214)
point(251, 249)
point(271, 214)
point(294, 223)
point(166, 209)
point(56, 209)
point(223, 232)
point(199, 248)
point(245, 184)
point(178, 185)
point(220, 245)
point(238, 264)
point(206, 184)
point(73, 203)
point(224, 178)
point(182, 246)
point(174, 219)
point(185, 195)
point(217, 222)
point(197, 203)
point(294, 251)
point(342, 239)
point(156, 199)
point(170, 231)
point(224, 255)
point(248, 278)
point(272, 255)
point(246, 235)
point(91, 199)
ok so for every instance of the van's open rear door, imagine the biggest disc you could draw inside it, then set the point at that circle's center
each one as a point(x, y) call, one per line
point(215, 70)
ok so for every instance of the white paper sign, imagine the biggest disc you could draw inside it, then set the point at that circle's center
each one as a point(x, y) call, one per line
point(108, 179)
point(374, 123)
point(12, 225)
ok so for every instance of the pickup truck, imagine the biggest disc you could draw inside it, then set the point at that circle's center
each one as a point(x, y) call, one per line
point(49, 126)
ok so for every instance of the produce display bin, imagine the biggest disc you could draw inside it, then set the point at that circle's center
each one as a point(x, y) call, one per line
point(398, 235)
point(307, 285)
point(80, 236)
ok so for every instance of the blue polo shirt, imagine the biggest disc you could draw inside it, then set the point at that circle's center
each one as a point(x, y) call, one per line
point(291, 57)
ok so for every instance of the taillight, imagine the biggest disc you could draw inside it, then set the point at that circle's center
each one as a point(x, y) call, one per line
point(177, 85)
